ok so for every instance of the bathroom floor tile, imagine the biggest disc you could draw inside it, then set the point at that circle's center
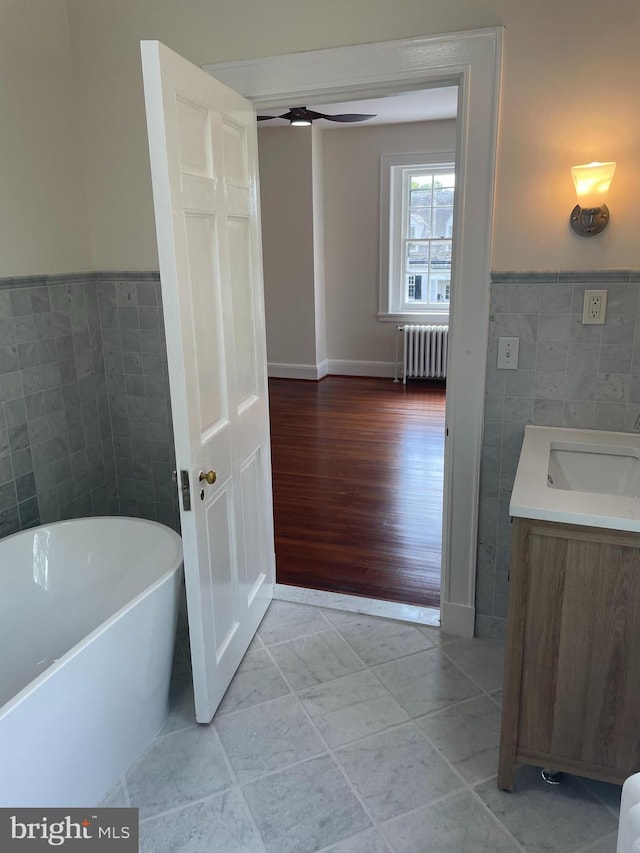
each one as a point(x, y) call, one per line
point(436, 635)
point(457, 824)
point(545, 817)
point(468, 735)
point(285, 620)
point(380, 640)
point(605, 845)
point(315, 659)
point(366, 842)
point(116, 798)
point(404, 733)
point(339, 617)
point(608, 794)
point(305, 808)
point(497, 697)
point(255, 644)
point(426, 681)
point(396, 771)
point(182, 711)
point(482, 660)
point(351, 707)
point(257, 680)
point(221, 824)
point(178, 769)
point(268, 738)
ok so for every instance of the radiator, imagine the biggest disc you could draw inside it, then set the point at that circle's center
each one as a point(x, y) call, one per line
point(629, 827)
point(424, 351)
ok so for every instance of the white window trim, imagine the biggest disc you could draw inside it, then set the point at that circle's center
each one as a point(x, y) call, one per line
point(391, 233)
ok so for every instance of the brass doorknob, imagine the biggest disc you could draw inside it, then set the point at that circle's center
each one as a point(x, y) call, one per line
point(210, 477)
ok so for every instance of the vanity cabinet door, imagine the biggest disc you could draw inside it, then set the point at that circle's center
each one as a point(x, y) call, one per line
point(572, 679)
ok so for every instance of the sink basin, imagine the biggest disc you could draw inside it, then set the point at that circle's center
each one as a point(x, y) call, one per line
point(590, 468)
point(579, 476)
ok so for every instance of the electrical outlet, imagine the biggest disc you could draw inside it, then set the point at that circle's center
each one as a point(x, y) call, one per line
point(594, 308)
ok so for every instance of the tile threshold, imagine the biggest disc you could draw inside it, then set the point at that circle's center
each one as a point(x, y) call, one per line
point(358, 605)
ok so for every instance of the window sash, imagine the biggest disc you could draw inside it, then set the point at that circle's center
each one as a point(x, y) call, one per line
point(421, 277)
point(393, 283)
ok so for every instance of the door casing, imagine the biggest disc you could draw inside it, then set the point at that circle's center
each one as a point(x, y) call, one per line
point(472, 61)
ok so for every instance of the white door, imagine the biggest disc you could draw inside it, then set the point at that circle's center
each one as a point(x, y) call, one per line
point(203, 149)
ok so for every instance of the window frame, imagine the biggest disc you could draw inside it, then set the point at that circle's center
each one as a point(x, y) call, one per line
point(394, 169)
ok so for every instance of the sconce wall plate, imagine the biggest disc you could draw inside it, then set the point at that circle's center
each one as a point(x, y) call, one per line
point(589, 221)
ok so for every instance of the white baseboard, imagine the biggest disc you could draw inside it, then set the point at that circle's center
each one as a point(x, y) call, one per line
point(335, 367)
point(457, 619)
point(357, 604)
point(297, 371)
point(385, 369)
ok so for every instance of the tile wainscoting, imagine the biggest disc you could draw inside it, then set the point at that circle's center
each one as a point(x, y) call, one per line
point(569, 374)
point(85, 421)
point(135, 360)
point(85, 426)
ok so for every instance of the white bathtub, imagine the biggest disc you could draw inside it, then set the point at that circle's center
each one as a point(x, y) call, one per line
point(87, 626)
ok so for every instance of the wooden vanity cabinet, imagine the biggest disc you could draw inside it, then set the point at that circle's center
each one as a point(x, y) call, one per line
point(571, 698)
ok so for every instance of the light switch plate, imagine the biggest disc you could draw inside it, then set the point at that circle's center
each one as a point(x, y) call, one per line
point(508, 353)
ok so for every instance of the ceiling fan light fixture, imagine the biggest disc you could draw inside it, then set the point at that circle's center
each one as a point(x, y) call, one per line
point(303, 117)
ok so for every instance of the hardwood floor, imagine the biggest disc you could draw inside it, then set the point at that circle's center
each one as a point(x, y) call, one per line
point(357, 483)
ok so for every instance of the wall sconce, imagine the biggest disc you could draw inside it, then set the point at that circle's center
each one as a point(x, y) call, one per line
point(590, 216)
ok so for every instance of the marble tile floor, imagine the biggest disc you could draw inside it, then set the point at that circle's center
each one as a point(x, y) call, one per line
point(353, 734)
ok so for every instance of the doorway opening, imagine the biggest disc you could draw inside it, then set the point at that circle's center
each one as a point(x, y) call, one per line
point(472, 60)
point(358, 463)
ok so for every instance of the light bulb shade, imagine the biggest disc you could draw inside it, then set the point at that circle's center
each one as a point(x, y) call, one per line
point(300, 122)
point(592, 183)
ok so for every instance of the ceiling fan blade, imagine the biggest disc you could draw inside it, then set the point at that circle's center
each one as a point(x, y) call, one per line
point(350, 117)
point(342, 116)
point(293, 114)
point(312, 115)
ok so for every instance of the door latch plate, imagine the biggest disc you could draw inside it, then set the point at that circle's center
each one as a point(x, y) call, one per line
point(186, 491)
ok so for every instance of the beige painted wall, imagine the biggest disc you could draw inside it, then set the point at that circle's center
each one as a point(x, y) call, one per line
point(43, 208)
point(286, 179)
point(352, 230)
point(570, 82)
point(319, 252)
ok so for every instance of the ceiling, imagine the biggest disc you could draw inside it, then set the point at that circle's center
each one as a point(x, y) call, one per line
point(428, 105)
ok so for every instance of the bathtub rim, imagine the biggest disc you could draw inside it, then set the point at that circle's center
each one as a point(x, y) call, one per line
point(50, 671)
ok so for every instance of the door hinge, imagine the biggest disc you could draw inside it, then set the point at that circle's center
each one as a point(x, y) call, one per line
point(186, 491)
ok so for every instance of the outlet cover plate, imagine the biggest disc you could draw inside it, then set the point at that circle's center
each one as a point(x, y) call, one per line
point(594, 307)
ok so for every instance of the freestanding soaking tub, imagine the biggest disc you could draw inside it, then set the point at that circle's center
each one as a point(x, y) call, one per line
point(88, 614)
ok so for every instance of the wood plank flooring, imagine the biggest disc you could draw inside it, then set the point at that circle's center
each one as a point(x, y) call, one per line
point(357, 483)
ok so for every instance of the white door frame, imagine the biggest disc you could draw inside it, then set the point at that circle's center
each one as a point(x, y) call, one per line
point(472, 60)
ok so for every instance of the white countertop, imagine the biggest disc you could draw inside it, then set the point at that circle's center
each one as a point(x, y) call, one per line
point(533, 498)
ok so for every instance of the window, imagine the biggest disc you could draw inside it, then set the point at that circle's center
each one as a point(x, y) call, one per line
point(416, 236)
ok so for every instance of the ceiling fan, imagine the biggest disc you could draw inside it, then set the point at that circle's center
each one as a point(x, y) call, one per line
point(302, 117)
